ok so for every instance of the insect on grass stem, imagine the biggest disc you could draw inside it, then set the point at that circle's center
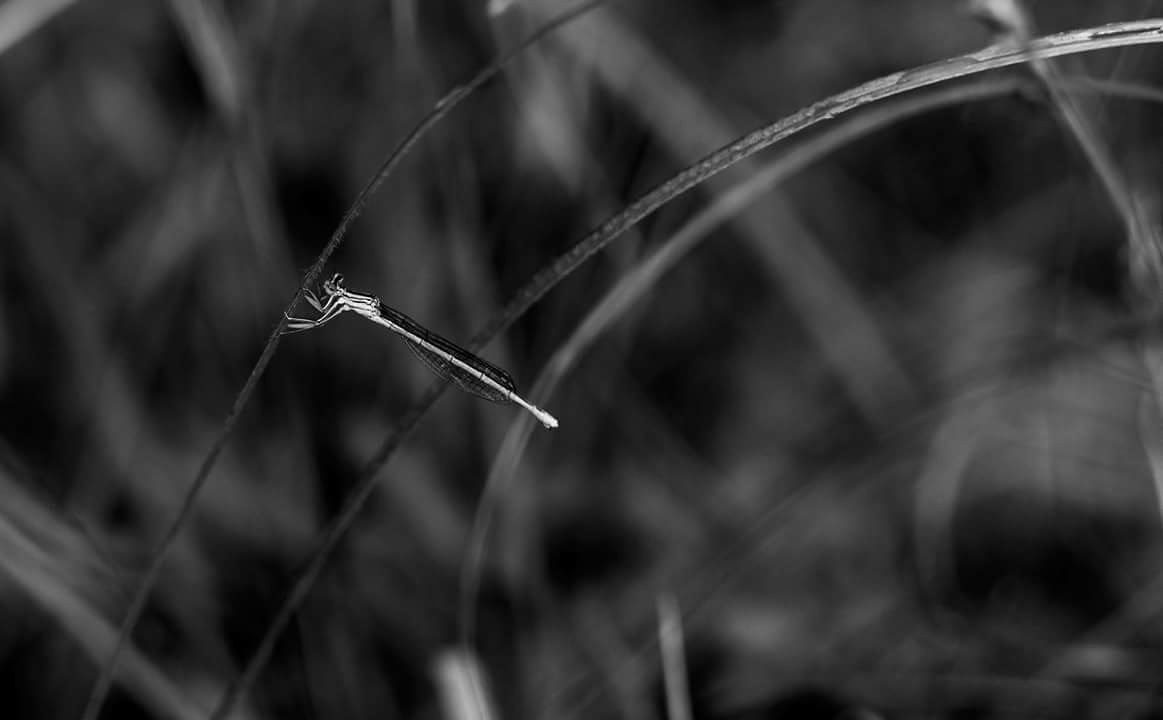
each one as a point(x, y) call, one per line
point(468, 371)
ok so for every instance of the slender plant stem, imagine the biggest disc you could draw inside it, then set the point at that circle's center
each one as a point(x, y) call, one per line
point(993, 58)
point(639, 280)
point(1145, 271)
point(672, 648)
point(22, 18)
point(165, 545)
point(1144, 253)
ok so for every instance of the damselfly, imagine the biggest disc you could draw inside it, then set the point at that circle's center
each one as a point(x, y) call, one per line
point(469, 372)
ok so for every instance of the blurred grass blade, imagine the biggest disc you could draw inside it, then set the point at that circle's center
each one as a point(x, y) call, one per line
point(460, 686)
point(21, 18)
point(47, 578)
point(141, 595)
point(671, 647)
point(992, 58)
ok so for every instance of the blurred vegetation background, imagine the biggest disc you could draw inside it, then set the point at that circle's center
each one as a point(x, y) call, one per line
point(885, 437)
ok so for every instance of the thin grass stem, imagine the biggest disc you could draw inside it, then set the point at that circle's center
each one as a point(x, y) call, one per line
point(672, 648)
point(1144, 253)
point(641, 279)
point(1114, 35)
point(442, 108)
point(21, 18)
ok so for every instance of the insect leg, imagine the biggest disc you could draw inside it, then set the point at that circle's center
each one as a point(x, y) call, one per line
point(313, 299)
point(333, 308)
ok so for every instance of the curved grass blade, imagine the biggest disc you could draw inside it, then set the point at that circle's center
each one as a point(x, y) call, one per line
point(442, 108)
point(638, 281)
point(993, 58)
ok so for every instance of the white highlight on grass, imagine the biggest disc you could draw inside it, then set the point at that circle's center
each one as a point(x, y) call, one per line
point(673, 651)
point(496, 7)
point(21, 18)
point(460, 685)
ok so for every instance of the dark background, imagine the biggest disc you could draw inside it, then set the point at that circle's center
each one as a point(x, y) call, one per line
point(884, 437)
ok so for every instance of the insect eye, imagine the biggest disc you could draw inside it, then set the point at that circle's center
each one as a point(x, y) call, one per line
point(333, 284)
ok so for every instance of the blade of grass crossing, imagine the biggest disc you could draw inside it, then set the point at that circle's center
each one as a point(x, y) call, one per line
point(992, 58)
point(149, 578)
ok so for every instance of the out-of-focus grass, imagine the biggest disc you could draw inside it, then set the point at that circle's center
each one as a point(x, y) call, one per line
point(972, 529)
